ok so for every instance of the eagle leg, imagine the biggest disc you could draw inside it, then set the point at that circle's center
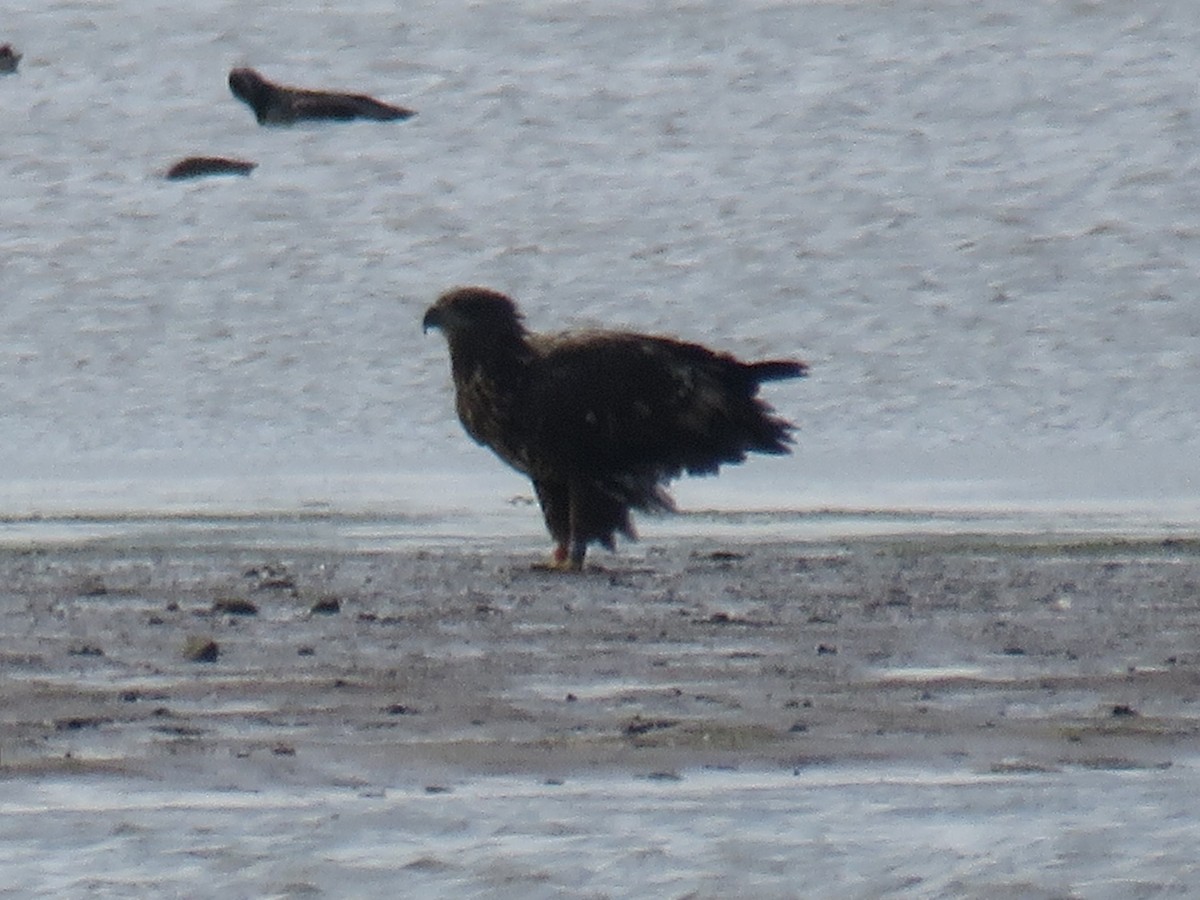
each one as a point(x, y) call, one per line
point(554, 499)
point(578, 513)
point(574, 562)
point(577, 527)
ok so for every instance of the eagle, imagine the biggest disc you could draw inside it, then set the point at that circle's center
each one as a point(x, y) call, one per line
point(277, 104)
point(601, 421)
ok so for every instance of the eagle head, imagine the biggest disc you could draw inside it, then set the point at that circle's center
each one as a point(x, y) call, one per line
point(474, 311)
point(248, 85)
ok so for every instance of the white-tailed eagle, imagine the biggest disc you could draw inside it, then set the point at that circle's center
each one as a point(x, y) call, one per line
point(601, 421)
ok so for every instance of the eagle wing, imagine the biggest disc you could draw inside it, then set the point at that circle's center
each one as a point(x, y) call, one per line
point(637, 410)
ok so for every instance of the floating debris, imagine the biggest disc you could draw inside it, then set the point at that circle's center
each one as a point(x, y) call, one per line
point(8, 59)
point(199, 166)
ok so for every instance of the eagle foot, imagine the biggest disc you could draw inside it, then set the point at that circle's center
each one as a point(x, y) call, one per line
point(560, 561)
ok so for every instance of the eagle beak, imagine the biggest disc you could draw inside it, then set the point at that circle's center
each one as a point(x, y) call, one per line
point(433, 319)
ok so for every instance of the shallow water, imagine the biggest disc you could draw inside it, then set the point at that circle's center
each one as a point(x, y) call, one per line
point(831, 832)
point(976, 222)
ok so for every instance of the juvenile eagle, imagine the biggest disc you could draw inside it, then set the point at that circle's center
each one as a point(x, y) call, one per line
point(277, 104)
point(601, 420)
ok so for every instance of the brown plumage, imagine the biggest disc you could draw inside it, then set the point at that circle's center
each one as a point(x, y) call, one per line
point(601, 420)
point(277, 104)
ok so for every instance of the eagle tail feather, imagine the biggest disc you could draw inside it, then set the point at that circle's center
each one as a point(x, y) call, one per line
point(777, 369)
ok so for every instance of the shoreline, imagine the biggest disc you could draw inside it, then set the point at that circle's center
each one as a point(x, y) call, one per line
point(516, 526)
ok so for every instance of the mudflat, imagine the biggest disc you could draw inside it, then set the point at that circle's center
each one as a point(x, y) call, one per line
point(986, 652)
point(890, 716)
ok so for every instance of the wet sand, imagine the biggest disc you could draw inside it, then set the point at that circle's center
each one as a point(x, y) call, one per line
point(760, 680)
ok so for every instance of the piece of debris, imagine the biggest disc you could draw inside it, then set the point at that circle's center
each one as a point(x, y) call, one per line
point(77, 723)
point(234, 606)
point(663, 776)
point(201, 649)
point(1021, 767)
point(179, 731)
point(271, 577)
point(327, 606)
point(721, 556)
point(9, 58)
point(637, 725)
point(93, 586)
point(197, 166)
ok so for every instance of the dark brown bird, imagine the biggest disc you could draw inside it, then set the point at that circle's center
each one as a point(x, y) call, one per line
point(601, 421)
point(275, 104)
